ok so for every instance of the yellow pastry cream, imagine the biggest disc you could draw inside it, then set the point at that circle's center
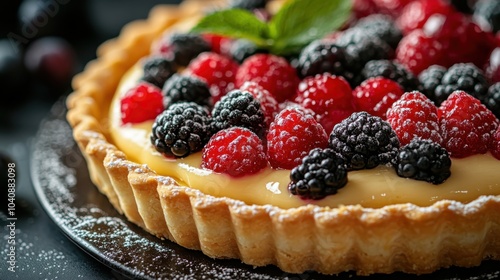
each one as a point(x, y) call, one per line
point(470, 178)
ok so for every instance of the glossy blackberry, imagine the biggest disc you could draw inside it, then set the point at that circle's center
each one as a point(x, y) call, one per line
point(157, 70)
point(492, 100)
point(365, 141)
point(391, 70)
point(363, 47)
point(320, 57)
point(423, 160)
point(321, 173)
point(248, 4)
point(186, 46)
point(430, 79)
point(182, 88)
point(182, 129)
point(462, 76)
point(238, 108)
point(381, 26)
point(241, 49)
point(488, 12)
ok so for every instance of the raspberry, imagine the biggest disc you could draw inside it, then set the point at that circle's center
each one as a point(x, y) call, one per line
point(324, 56)
point(219, 43)
point(492, 99)
point(414, 116)
point(321, 173)
point(271, 72)
point(423, 160)
point(364, 141)
point(141, 103)
point(291, 136)
point(235, 151)
point(376, 95)
point(218, 72)
point(495, 147)
point(269, 105)
point(416, 13)
point(182, 88)
point(391, 70)
point(329, 96)
point(323, 92)
point(182, 129)
point(467, 126)
point(381, 26)
point(417, 52)
point(238, 108)
point(363, 8)
point(391, 7)
point(183, 47)
point(157, 70)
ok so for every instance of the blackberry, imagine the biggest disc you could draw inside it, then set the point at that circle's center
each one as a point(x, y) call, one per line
point(157, 70)
point(182, 129)
point(488, 12)
point(391, 70)
point(492, 100)
point(423, 160)
point(248, 4)
point(181, 88)
point(321, 173)
point(320, 57)
point(186, 46)
point(365, 141)
point(363, 47)
point(430, 79)
point(462, 76)
point(241, 49)
point(381, 26)
point(238, 108)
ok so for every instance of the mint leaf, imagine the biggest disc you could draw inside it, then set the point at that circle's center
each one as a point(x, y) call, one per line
point(299, 22)
point(236, 23)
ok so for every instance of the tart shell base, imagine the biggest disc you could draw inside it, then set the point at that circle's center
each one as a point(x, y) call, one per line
point(401, 237)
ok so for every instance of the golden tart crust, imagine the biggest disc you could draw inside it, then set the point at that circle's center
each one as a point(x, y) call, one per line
point(400, 237)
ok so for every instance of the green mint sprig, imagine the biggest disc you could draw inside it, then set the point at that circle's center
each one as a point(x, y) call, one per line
point(295, 25)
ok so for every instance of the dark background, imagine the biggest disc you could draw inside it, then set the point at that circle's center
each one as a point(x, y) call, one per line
point(43, 251)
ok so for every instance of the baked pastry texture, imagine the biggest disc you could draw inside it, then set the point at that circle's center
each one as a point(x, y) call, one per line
point(399, 237)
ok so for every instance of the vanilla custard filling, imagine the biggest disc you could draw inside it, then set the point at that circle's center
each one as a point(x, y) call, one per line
point(470, 177)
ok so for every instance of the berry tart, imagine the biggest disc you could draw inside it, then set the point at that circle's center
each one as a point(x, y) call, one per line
point(311, 135)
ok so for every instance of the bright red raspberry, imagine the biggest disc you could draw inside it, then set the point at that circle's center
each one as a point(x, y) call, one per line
point(417, 52)
point(329, 96)
point(235, 151)
point(323, 92)
point(267, 101)
point(272, 72)
point(467, 126)
point(391, 7)
point(376, 95)
point(141, 103)
point(291, 136)
point(220, 44)
point(416, 13)
point(217, 70)
point(363, 8)
point(495, 147)
point(414, 115)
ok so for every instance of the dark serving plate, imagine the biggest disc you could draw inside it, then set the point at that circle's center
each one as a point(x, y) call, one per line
point(62, 184)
